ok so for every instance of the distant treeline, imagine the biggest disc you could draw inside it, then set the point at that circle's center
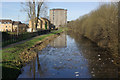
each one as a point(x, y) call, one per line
point(100, 26)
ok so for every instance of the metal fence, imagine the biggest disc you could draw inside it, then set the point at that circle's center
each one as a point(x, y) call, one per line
point(12, 38)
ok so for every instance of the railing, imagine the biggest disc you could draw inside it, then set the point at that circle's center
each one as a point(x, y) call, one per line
point(13, 38)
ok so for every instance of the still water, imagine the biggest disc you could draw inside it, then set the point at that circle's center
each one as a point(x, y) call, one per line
point(68, 57)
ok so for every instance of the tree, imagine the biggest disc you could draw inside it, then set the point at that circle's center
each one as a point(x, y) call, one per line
point(33, 10)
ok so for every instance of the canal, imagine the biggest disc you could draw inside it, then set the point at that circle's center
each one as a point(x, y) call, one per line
point(70, 57)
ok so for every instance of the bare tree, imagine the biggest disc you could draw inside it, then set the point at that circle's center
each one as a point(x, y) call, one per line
point(33, 9)
point(39, 5)
point(44, 11)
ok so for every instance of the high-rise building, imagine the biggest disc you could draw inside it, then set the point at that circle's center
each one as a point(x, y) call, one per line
point(58, 17)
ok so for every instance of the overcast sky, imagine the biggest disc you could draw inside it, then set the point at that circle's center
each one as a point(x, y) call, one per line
point(11, 10)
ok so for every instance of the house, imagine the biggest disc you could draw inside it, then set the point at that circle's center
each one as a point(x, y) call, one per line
point(12, 26)
point(6, 25)
point(20, 27)
point(43, 24)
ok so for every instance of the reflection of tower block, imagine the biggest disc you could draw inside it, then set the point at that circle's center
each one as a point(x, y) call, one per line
point(59, 42)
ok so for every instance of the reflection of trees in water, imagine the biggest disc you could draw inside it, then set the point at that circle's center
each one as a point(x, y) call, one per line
point(99, 62)
point(34, 67)
point(34, 70)
point(39, 66)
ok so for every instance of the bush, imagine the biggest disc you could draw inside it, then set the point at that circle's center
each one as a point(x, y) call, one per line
point(101, 26)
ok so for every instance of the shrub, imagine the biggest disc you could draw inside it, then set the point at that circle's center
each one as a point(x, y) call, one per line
point(100, 25)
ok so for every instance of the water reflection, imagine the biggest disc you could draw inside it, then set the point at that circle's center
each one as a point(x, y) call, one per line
point(59, 42)
point(100, 62)
point(32, 70)
point(69, 56)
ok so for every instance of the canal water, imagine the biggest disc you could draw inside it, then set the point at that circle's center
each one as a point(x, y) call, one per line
point(68, 57)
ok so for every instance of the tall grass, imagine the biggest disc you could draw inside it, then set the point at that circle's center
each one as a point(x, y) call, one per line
point(100, 25)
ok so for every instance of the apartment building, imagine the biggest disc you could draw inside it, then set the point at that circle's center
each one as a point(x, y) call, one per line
point(58, 17)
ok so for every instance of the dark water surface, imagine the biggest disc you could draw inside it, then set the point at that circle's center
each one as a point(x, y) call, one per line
point(67, 57)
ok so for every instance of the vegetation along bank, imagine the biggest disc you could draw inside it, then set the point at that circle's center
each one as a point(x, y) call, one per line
point(101, 27)
point(13, 58)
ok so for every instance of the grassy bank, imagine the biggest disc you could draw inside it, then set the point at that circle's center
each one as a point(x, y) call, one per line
point(11, 61)
point(11, 37)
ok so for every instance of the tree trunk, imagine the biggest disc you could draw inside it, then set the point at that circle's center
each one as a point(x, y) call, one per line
point(38, 11)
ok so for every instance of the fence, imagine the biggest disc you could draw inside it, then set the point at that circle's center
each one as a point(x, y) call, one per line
point(12, 38)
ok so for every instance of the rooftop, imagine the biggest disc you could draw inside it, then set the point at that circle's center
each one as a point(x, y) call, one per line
point(13, 22)
point(58, 9)
point(16, 22)
point(6, 20)
point(44, 18)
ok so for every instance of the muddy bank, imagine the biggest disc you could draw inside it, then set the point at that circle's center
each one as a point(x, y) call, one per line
point(112, 53)
point(29, 54)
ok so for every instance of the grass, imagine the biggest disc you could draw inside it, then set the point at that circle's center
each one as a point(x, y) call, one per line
point(21, 37)
point(16, 32)
point(9, 55)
